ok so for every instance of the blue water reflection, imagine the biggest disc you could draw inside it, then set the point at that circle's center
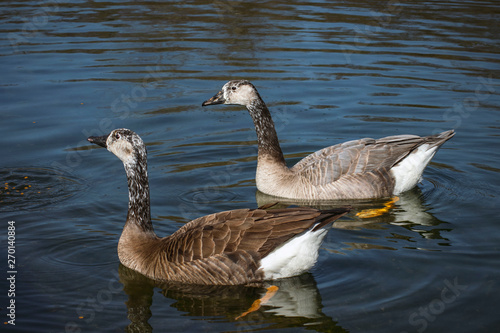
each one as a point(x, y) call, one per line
point(329, 72)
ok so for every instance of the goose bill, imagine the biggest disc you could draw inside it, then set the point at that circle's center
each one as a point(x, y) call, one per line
point(217, 99)
point(99, 140)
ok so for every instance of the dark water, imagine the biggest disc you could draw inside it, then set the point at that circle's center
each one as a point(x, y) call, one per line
point(330, 72)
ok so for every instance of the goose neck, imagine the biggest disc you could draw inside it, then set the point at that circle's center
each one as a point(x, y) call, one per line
point(267, 137)
point(139, 212)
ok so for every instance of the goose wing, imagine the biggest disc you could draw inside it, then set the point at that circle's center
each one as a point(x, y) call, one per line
point(254, 231)
point(227, 247)
point(356, 157)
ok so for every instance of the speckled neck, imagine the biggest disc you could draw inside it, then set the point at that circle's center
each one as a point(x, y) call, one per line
point(266, 133)
point(139, 211)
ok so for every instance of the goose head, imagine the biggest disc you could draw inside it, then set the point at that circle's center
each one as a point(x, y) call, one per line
point(122, 142)
point(239, 92)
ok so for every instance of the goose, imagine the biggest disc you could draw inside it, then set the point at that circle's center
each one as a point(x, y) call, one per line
point(242, 246)
point(358, 169)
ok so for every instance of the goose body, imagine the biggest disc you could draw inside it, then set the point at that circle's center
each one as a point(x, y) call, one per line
point(359, 169)
point(242, 246)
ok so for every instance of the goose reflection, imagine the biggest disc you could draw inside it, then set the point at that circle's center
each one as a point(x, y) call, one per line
point(297, 298)
point(410, 211)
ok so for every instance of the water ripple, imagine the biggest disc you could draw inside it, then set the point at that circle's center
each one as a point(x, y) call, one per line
point(33, 188)
point(203, 196)
point(80, 252)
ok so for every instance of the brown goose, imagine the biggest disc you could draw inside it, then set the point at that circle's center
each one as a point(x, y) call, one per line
point(358, 169)
point(242, 246)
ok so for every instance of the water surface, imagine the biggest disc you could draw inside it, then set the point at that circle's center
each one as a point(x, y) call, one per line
point(329, 72)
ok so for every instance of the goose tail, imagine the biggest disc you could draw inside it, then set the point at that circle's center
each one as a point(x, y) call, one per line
point(438, 139)
point(408, 171)
point(329, 216)
point(300, 253)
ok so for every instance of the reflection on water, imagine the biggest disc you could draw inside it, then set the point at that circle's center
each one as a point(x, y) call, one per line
point(296, 303)
point(330, 72)
point(410, 213)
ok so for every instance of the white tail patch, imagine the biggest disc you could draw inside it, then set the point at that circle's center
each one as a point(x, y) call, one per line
point(295, 256)
point(408, 172)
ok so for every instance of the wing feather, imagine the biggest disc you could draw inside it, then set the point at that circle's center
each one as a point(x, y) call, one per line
point(227, 247)
point(256, 231)
point(356, 157)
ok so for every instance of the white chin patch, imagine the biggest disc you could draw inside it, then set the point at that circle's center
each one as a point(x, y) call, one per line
point(123, 150)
